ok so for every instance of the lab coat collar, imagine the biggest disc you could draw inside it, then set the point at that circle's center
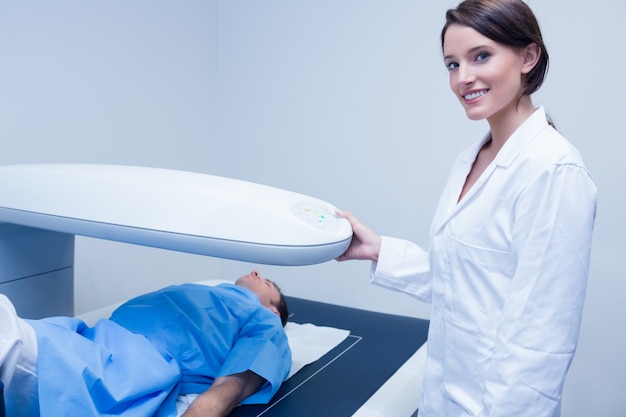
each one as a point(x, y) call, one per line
point(523, 135)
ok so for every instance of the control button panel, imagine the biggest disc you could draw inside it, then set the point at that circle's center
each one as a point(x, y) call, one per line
point(316, 214)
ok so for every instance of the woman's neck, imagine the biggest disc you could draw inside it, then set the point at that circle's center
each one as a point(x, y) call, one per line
point(507, 120)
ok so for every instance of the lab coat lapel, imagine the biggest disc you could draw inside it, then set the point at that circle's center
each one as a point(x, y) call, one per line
point(448, 203)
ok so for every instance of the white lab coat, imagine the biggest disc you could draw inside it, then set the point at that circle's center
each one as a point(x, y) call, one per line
point(506, 274)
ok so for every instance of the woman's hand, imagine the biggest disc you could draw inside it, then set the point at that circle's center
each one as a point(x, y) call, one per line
point(365, 243)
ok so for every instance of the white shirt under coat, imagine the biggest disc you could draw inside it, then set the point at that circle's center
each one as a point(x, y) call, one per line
point(506, 275)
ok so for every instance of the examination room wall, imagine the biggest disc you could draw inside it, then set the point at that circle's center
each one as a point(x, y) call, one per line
point(343, 100)
point(116, 82)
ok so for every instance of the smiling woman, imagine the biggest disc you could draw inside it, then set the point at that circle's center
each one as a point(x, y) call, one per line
point(512, 232)
point(485, 76)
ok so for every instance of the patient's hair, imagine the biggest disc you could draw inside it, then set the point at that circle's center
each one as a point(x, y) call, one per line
point(282, 306)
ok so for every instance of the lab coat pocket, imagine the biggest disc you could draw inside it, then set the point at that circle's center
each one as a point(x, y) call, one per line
point(467, 360)
point(479, 281)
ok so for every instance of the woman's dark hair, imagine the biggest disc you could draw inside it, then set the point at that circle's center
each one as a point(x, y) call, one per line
point(507, 22)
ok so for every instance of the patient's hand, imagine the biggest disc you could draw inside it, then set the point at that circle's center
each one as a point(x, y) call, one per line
point(224, 395)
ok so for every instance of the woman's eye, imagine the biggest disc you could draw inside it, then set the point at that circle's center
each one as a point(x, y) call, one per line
point(482, 56)
point(452, 66)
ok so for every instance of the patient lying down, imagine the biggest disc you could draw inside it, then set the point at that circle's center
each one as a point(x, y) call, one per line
point(226, 343)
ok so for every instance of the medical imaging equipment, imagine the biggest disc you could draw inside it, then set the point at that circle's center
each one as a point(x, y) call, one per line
point(374, 372)
point(43, 206)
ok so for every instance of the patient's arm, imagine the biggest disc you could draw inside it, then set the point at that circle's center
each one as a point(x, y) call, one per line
point(224, 395)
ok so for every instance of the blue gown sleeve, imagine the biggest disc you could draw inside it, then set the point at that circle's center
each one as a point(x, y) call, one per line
point(263, 349)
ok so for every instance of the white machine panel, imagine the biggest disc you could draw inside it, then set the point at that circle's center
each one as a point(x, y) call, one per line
point(176, 210)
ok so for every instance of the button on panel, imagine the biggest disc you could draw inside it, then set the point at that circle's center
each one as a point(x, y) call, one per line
point(316, 214)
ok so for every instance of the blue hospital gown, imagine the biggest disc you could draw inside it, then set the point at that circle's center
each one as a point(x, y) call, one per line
point(173, 341)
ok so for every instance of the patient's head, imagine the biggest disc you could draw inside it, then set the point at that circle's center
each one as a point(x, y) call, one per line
point(268, 292)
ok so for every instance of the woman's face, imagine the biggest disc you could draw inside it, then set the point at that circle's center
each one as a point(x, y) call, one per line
point(485, 76)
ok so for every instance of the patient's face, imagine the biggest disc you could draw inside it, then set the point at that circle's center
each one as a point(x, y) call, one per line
point(264, 288)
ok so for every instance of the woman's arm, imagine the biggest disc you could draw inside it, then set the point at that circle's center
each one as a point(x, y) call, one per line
point(540, 320)
point(224, 395)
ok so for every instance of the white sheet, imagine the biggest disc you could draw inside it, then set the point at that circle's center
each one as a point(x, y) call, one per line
point(309, 342)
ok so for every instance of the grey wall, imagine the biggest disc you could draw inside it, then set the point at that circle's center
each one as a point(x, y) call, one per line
point(343, 100)
point(111, 82)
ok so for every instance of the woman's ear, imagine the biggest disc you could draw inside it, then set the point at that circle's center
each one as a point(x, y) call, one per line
point(530, 57)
